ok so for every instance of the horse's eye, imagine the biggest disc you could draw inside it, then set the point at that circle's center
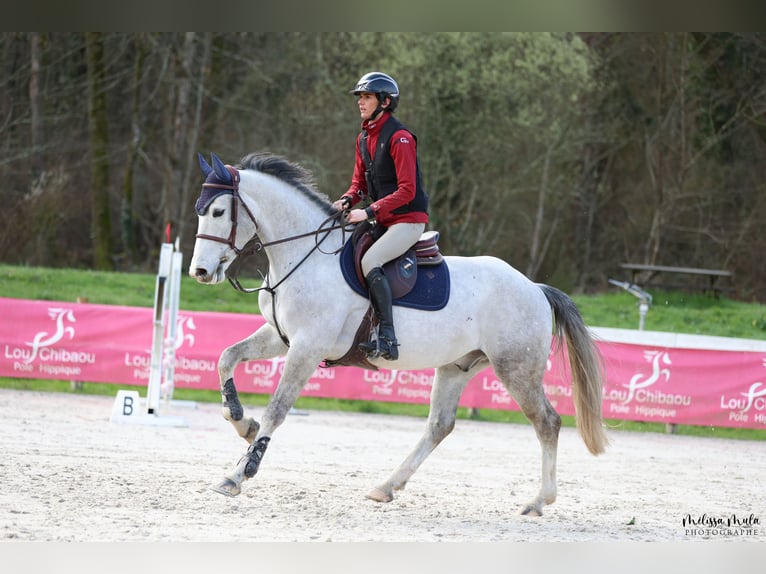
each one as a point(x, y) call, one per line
point(218, 212)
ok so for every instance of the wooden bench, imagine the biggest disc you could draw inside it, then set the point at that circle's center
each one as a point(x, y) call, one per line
point(653, 270)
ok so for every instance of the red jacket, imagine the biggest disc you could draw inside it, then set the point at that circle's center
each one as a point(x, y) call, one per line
point(403, 151)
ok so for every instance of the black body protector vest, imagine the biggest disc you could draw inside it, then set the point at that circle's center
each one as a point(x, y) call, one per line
point(380, 172)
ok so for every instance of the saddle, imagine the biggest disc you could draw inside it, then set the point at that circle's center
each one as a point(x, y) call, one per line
point(402, 272)
point(402, 275)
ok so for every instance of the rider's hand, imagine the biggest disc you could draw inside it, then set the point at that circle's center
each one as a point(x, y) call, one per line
point(342, 204)
point(356, 216)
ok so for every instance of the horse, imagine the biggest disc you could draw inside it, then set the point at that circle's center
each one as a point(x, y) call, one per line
point(495, 316)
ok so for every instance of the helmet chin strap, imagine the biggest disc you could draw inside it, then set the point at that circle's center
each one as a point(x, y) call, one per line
point(379, 109)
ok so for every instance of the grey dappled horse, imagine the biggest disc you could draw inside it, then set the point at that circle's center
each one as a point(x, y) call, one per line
point(495, 316)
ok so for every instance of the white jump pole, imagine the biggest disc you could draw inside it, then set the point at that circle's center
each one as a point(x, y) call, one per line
point(168, 384)
point(158, 334)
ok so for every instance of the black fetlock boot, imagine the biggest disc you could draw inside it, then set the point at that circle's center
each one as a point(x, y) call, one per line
point(380, 295)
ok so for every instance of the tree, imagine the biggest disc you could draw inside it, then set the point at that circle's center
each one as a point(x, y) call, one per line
point(192, 69)
point(35, 104)
point(129, 211)
point(101, 224)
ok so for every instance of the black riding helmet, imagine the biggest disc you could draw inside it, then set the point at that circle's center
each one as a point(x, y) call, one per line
point(380, 84)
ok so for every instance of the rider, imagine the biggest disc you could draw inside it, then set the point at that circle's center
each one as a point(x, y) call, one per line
point(387, 174)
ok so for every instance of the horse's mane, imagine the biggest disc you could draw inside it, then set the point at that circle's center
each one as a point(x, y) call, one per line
point(289, 172)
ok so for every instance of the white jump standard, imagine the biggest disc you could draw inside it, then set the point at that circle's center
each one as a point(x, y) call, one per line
point(127, 408)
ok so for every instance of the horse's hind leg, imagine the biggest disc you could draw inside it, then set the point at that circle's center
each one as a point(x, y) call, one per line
point(524, 382)
point(263, 344)
point(449, 383)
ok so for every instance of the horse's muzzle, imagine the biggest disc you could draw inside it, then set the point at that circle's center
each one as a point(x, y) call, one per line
point(209, 277)
point(203, 276)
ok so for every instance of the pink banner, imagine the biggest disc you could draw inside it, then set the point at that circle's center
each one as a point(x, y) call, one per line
point(111, 344)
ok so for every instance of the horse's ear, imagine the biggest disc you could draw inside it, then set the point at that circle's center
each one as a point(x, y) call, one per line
point(206, 169)
point(220, 169)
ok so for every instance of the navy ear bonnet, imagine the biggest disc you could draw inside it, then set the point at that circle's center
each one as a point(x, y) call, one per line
point(210, 193)
point(216, 175)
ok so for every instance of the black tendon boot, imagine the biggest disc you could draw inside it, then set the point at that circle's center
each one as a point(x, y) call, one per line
point(380, 295)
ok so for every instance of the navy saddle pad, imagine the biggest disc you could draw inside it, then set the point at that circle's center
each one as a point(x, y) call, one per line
point(431, 291)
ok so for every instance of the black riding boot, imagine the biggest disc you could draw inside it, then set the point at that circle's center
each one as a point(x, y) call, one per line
point(380, 295)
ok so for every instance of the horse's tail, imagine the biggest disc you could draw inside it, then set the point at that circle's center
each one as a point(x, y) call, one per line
point(586, 365)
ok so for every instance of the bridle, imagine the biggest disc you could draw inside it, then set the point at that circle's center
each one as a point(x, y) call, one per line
point(235, 201)
point(254, 246)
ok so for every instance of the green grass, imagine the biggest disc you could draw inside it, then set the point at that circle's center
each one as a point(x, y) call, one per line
point(677, 312)
point(112, 288)
point(672, 312)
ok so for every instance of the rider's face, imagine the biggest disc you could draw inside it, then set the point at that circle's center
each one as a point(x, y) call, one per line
point(368, 103)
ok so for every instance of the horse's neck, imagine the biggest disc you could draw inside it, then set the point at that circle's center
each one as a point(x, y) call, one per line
point(282, 213)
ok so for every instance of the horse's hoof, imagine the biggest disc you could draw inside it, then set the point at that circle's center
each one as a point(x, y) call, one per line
point(379, 495)
point(531, 510)
point(227, 487)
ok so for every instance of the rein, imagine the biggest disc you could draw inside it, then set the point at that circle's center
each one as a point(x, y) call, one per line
point(254, 246)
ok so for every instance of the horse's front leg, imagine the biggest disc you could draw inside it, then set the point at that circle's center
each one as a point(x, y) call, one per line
point(298, 368)
point(265, 343)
